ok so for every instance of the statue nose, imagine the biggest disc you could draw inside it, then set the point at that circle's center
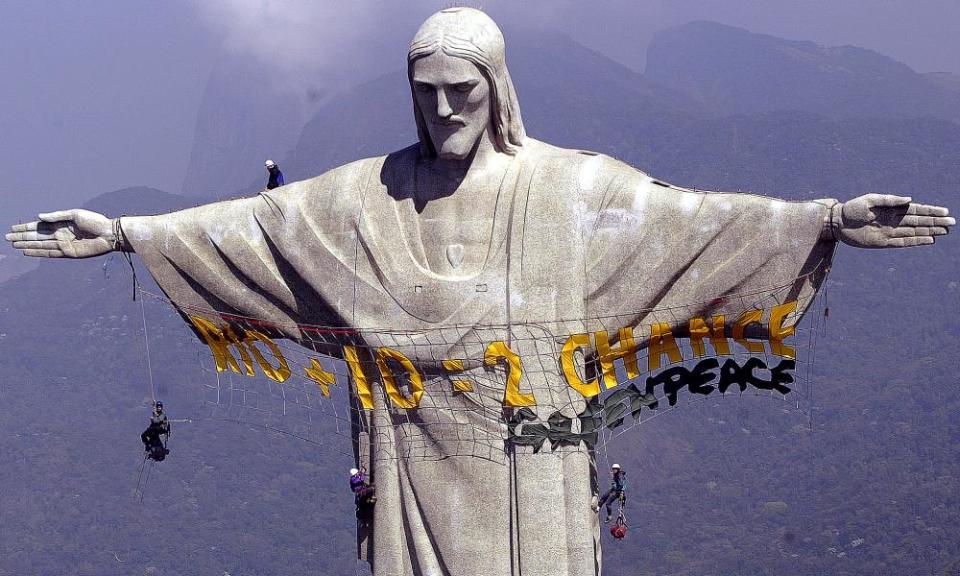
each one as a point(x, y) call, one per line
point(443, 105)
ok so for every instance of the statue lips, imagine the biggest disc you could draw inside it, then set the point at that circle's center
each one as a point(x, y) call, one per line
point(449, 125)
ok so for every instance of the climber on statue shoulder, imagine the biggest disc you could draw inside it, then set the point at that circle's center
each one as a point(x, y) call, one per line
point(276, 176)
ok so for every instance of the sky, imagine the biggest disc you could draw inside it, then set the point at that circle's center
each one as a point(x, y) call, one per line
point(99, 95)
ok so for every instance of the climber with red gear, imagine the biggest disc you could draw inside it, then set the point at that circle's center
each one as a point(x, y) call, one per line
point(617, 491)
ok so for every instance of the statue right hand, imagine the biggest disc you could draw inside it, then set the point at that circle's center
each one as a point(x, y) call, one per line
point(65, 234)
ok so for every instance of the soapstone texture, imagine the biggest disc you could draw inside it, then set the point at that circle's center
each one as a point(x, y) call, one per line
point(571, 234)
point(575, 235)
point(481, 233)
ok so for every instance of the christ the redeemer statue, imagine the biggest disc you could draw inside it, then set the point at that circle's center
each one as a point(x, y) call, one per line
point(479, 225)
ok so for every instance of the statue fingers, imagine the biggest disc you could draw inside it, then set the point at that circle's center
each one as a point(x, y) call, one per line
point(27, 227)
point(44, 253)
point(908, 231)
point(888, 200)
point(927, 221)
point(28, 236)
point(20, 236)
point(37, 230)
point(37, 245)
point(911, 241)
point(58, 216)
point(927, 210)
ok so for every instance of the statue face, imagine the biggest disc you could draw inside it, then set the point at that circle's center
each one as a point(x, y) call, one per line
point(454, 98)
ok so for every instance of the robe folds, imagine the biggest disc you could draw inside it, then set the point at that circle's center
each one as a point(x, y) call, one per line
point(579, 242)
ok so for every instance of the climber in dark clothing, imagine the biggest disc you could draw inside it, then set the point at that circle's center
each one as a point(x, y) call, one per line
point(276, 176)
point(618, 486)
point(159, 426)
point(364, 493)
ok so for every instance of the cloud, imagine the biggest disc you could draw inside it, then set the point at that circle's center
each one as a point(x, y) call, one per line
point(303, 35)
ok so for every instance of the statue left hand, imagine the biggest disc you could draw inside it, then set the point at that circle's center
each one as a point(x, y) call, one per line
point(887, 221)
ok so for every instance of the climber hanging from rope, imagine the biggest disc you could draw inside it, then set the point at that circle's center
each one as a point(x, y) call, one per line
point(617, 491)
point(159, 426)
point(364, 493)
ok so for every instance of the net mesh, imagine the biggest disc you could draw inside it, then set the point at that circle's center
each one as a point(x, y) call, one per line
point(453, 391)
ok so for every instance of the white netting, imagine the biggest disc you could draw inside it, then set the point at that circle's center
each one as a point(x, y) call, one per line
point(463, 408)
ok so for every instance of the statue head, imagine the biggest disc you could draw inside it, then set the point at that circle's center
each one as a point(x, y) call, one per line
point(461, 87)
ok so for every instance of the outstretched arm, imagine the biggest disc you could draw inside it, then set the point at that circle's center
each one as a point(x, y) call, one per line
point(887, 221)
point(69, 234)
point(686, 246)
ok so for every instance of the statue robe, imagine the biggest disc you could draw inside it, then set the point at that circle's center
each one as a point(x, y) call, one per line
point(580, 242)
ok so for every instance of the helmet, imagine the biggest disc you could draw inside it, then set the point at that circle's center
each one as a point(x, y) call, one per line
point(158, 405)
point(615, 467)
point(354, 471)
point(269, 163)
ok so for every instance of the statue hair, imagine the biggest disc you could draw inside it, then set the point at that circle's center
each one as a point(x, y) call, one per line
point(472, 35)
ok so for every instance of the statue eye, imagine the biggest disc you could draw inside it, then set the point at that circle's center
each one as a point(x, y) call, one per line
point(423, 88)
point(464, 86)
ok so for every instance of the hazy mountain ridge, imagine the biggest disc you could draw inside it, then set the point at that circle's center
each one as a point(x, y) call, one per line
point(647, 122)
point(244, 118)
point(75, 394)
point(12, 264)
point(732, 71)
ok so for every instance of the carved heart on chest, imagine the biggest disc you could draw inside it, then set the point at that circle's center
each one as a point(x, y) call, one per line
point(455, 255)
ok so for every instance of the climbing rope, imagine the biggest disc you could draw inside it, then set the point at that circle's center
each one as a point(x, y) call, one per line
point(619, 528)
point(119, 240)
point(146, 343)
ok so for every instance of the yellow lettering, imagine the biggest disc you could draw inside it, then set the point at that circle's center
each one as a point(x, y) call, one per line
point(568, 365)
point(700, 330)
point(778, 333)
point(456, 366)
point(390, 383)
point(359, 377)
point(627, 350)
point(748, 317)
point(279, 373)
point(323, 378)
point(662, 342)
point(219, 342)
point(512, 396)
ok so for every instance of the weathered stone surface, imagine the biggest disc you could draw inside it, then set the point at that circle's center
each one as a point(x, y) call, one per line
point(488, 234)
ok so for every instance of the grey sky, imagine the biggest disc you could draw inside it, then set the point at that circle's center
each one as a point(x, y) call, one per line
point(96, 95)
point(100, 95)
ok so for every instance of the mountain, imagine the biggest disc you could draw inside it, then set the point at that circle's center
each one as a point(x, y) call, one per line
point(137, 200)
point(703, 81)
point(585, 100)
point(12, 264)
point(74, 397)
point(732, 71)
point(561, 99)
point(143, 200)
point(245, 117)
